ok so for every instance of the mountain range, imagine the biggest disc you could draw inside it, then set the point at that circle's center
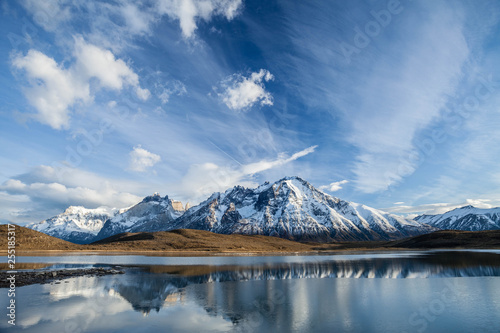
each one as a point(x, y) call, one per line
point(76, 224)
point(153, 213)
point(467, 218)
point(290, 208)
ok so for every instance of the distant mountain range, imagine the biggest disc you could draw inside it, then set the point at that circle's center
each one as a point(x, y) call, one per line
point(467, 218)
point(76, 224)
point(290, 208)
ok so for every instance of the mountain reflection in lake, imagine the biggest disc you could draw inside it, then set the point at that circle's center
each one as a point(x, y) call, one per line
point(436, 292)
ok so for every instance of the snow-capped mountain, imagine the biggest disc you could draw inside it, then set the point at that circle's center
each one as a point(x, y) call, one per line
point(289, 208)
point(153, 213)
point(292, 208)
point(466, 218)
point(76, 224)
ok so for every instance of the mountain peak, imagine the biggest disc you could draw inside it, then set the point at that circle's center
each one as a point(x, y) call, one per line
point(155, 197)
point(74, 210)
point(292, 208)
point(297, 178)
point(76, 224)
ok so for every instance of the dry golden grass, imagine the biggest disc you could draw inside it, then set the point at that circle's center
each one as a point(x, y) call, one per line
point(5, 267)
point(198, 240)
point(162, 241)
point(27, 239)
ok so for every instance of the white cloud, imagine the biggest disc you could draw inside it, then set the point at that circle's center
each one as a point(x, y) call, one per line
point(243, 92)
point(143, 94)
point(202, 180)
point(141, 159)
point(95, 62)
point(115, 25)
point(48, 190)
point(333, 187)
point(138, 21)
point(50, 198)
point(188, 12)
point(54, 89)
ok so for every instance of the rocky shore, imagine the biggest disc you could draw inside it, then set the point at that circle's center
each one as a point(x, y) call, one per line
point(24, 278)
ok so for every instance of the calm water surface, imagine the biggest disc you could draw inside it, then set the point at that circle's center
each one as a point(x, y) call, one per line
point(436, 291)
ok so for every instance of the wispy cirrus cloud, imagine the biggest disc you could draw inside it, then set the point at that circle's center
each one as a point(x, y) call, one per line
point(136, 19)
point(49, 14)
point(397, 100)
point(202, 180)
point(392, 90)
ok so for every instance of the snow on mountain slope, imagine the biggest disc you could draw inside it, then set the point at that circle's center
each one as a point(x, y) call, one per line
point(289, 208)
point(153, 213)
point(76, 224)
point(466, 218)
point(292, 208)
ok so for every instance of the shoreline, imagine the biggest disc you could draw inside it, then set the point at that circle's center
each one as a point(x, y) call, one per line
point(209, 253)
point(29, 277)
point(196, 243)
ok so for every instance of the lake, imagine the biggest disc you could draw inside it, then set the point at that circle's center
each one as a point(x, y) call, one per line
point(419, 291)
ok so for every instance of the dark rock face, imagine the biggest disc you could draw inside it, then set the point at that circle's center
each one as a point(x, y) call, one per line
point(154, 213)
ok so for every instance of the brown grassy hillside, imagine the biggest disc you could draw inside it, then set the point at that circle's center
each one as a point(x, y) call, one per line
point(176, 241)
point(198, 240)
point(185, 241)
point(28, 239)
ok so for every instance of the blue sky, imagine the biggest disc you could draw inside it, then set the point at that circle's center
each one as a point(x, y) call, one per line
point(393, 104)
